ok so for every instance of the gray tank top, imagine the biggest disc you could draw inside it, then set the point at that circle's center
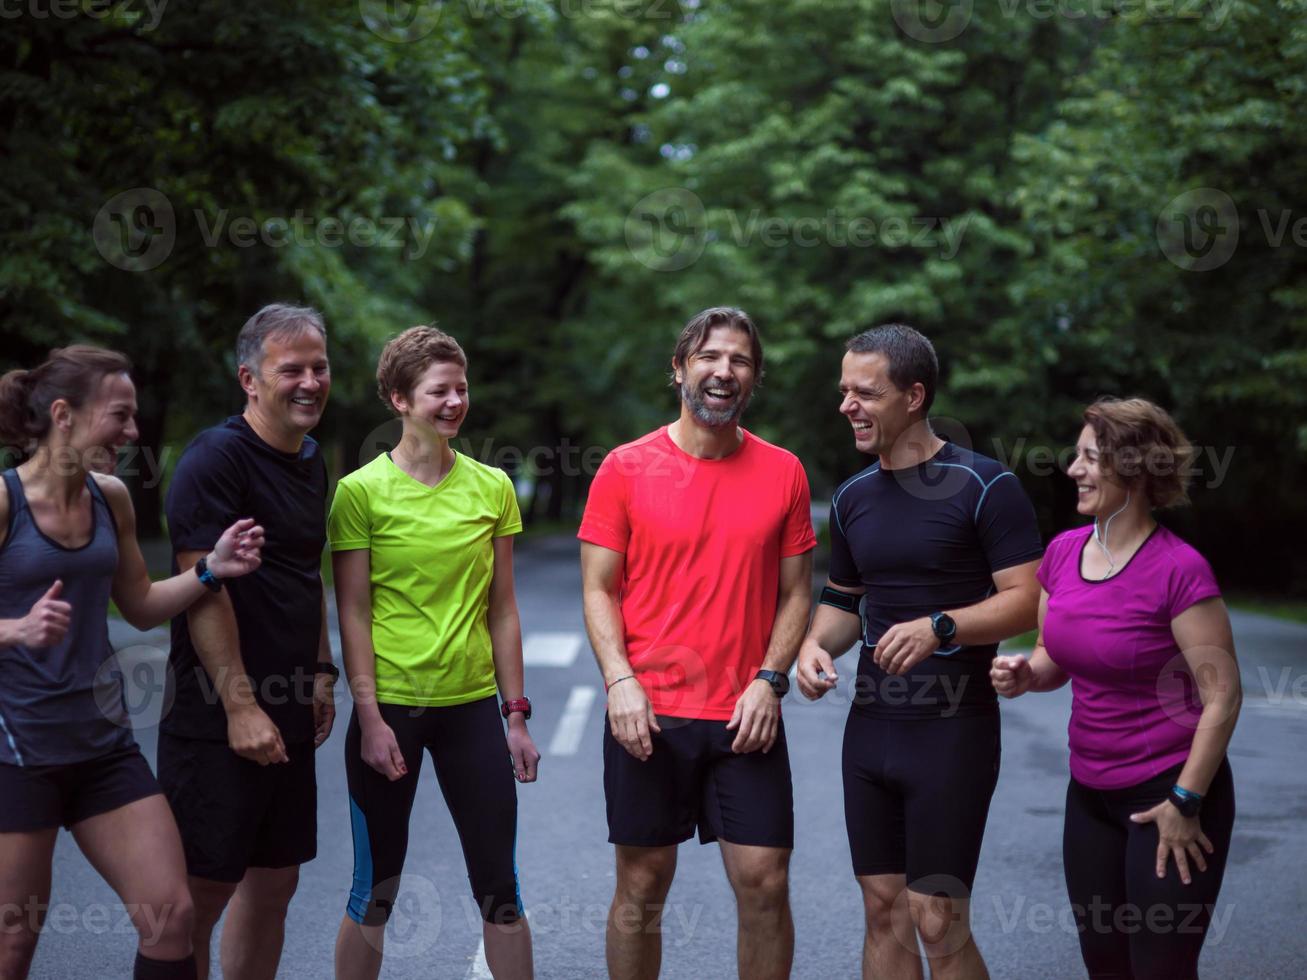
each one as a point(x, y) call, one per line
point(63, 703)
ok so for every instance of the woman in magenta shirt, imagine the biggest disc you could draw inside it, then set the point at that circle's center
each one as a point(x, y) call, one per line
point(1132, 615)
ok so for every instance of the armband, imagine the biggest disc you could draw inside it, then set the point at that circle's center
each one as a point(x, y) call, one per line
point(842, 601)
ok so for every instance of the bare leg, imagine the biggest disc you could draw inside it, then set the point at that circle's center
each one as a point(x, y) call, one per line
point(634, 939)
point(358, 950)
point(256, 923)
point(211, 898)
point(139, 852)
point(889, 948)
point(25, 859)
point(760, 878)
point(945, 928)
point(508, 950)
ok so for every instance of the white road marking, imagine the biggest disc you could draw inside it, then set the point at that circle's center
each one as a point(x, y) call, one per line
point(546, 649)
point(567, 737)
point(480, 968)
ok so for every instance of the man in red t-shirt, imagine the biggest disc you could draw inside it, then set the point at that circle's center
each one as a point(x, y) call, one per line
point(696, 561)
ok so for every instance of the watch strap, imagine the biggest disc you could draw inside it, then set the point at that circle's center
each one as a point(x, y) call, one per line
point(209, 580)
point(522, 704)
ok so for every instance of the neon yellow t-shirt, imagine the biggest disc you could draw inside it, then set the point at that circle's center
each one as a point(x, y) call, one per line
point(431, 564)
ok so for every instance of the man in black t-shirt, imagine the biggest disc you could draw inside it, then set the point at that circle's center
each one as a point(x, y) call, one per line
point(933, 556)
point(250, 668)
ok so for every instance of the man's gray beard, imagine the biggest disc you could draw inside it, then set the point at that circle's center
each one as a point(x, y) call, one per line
point(713, 418)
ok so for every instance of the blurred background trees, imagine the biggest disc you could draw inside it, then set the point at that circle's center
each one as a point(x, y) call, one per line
point(1071, 197)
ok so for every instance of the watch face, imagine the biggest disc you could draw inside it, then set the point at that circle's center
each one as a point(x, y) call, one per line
point(944, 626)
point(780, 683)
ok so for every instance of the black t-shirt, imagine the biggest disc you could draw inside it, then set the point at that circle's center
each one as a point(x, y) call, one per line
point(925, 539)
point(227, 473)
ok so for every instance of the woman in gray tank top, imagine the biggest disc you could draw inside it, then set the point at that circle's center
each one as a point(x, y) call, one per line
point(67, 754)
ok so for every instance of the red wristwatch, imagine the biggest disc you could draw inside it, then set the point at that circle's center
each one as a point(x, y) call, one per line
point(517, 704)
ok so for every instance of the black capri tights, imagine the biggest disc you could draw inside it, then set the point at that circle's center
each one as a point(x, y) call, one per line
point(474, 768)
point(1132, 924)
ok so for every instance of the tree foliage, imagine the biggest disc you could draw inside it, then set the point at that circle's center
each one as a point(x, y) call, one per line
point(1046, 195)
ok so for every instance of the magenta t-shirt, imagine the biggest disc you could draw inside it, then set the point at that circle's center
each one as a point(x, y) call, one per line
point(1134, 708)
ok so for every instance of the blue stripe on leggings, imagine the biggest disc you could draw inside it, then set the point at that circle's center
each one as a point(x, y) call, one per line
point(360, 895)
point(517, 885)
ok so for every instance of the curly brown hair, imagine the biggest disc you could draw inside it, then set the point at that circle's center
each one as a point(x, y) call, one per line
point(1140, 445)
point(406, 357)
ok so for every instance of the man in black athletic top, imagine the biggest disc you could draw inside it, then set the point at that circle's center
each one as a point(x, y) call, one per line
point(251, 665)
point(933, 557)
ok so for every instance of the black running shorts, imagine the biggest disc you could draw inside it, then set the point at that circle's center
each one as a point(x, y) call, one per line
point(693, 779)
point(916, 796)
point(40, 797)
point(235, 814)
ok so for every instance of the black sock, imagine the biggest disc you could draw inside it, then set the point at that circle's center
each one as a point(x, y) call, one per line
point(148, 969)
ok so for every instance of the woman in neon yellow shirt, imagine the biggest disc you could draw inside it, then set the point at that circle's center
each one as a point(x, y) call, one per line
point(422, 551)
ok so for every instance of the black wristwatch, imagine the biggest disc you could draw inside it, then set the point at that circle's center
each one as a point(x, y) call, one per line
point(1186, 802)
point(944, 627)
point(780, 683)
point(327, 667)
point(211, 581)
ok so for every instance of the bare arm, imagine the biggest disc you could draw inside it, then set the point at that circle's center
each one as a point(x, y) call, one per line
point(630, 715)
point(211, 622)
point(352, 571)
point(506, 644)
point(146, 604)
point(1203, 634)
point(1011, 610)
point(1014, 676)
point(757, 710)
point(832, 632)
point(324, 702)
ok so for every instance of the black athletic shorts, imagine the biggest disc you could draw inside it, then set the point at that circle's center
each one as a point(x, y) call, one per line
point(693, 779)
point(41, 797)
point(475, 772)
point(235, 814)
point(916, 796)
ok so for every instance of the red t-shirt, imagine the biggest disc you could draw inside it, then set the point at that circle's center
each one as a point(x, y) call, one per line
point(703, 540)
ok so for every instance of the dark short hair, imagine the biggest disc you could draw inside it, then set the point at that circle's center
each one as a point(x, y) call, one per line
point(405, 357)
point(277, 320)
point(1142, 447)
point(72, 373)
point(695, 334)
point(910, 354)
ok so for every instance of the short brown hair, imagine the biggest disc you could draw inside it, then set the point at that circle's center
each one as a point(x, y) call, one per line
point(1140, 445)
point(405, 357)
point(72, 373)
point(695, 335)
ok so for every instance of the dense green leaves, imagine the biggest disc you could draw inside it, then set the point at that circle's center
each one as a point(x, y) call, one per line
point(1054, 198)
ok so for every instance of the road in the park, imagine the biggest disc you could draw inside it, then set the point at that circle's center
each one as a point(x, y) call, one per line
point(1021, 915)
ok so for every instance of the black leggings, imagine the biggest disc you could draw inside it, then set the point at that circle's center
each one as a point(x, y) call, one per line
point(475, 771)
point(1132, 924)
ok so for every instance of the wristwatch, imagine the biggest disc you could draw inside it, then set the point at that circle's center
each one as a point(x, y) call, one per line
point(211, 581)
point(1186, 802)
point(522, 704)
point(780, 683)
point(327, 667)
point(944, 627)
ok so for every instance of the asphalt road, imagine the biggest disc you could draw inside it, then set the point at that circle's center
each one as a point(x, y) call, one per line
point(1020, 912)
